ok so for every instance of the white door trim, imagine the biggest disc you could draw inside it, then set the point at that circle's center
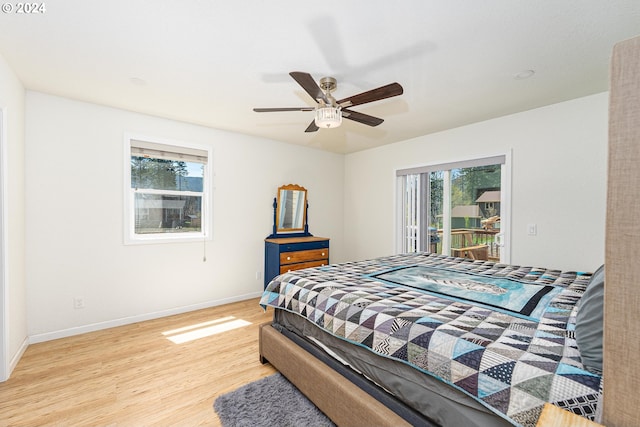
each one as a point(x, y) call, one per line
point(4, 306)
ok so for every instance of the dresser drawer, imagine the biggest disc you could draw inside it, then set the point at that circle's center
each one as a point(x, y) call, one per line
point(303, 256)
point(301, 265)
point(303, 246)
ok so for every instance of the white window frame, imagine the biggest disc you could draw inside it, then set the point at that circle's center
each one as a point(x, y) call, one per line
point(504, 237)
point(130, 236)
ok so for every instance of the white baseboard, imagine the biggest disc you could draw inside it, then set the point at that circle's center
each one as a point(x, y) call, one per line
point(48, 336)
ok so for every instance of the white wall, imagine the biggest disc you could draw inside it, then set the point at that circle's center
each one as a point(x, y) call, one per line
point(558, 182)
point(74, 214)
point(12, 99)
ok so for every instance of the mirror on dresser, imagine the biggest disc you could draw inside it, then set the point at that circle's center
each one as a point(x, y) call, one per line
point(292, 208)
point(290, 212)
point(291, 247)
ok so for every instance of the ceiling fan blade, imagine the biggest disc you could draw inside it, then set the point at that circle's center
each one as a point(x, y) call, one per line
point(309, 85)
point(361, 117)
point(312, 127)
point(393, 89)
point(271, 110)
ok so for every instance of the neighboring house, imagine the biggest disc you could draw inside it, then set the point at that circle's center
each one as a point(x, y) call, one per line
point(489, 203)
point(465, 216)
point(160, 213)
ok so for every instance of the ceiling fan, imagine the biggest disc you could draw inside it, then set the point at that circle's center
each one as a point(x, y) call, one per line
point(329, 112)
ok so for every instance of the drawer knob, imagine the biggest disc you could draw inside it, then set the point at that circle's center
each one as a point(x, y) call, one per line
point(322, 253)
point(288, 258)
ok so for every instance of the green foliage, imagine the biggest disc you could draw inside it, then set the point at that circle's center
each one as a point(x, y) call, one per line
point(158, 174)
point(467, 184)
point(437, 191)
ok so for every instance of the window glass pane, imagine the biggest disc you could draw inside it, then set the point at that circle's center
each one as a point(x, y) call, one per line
point(162, 174)
point(475, 211)
point(167, 191)
point(436, 200)
point(159, 213)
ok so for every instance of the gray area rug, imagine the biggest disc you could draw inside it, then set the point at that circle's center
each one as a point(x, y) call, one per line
point(270, 401)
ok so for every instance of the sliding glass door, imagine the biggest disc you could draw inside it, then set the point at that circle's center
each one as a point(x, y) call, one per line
point(455, 209)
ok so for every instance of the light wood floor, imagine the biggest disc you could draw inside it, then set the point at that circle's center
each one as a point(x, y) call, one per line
point(134, 375)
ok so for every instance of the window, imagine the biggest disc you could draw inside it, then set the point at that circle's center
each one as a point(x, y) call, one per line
point(456, 209)
point(167, 191)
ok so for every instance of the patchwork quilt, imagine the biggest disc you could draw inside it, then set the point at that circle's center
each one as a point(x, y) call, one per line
point(502, 334)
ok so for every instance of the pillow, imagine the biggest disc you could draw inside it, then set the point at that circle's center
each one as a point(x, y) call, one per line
point(589, 322)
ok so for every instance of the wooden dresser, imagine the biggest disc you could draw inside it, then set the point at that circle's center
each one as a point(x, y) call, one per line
point(284, 254)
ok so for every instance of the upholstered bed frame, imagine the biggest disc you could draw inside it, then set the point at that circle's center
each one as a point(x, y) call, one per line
point(622, 275)
point(340, 399)
point(352, 406)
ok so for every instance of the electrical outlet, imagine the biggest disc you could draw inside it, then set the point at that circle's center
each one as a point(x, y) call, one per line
point(258, 275)
point(78, 302)
point(532, 229)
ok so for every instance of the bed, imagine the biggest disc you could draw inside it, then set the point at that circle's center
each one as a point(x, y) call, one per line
point(425, 339)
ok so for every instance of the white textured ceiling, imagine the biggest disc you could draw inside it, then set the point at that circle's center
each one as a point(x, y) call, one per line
point(210, 62)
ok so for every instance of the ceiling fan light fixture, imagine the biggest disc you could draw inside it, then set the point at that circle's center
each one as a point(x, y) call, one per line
point(328, 117)
point(328, 112)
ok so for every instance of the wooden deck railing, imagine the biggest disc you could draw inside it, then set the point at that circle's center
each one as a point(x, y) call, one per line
point(475, 243)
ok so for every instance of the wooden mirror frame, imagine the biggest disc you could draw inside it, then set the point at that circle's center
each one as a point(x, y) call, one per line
point(294, 198)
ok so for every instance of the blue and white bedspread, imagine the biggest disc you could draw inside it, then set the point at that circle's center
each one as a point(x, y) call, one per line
point(502, 334)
